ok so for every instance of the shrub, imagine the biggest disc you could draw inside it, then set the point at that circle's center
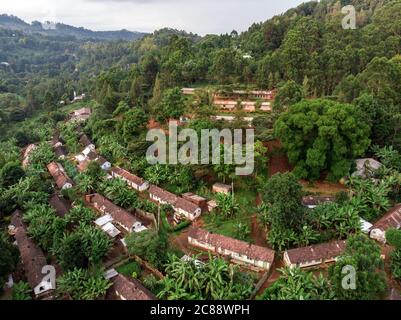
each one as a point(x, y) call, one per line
point(393, 237)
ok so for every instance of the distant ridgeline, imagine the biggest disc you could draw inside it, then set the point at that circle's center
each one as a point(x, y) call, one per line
point(59, 29)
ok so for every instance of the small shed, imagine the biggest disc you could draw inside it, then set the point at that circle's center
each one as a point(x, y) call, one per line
point(222, 188)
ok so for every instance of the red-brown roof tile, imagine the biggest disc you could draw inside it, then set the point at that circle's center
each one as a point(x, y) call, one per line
point(234, 245)
point(318, 252)
point(32, 257)
point(391, 220)
point(127, 175)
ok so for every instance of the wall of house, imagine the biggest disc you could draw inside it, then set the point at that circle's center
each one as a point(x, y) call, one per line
point(201, 245)
point(188, 215)
point(378, 235)
point(308, 264)
point(233, 255)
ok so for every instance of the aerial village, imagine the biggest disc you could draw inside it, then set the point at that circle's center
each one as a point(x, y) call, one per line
point(310, 98)
point(192, 218)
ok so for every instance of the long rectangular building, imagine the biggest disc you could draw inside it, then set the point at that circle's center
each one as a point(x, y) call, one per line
point(32, 257)
point(60, 176)
point(130, 290)
point(122, 217)
point(314, 255)
point(236, 250)
point(182, 207)
point(132, 180)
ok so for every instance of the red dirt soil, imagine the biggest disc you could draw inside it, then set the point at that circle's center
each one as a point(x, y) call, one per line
point(323, 187)
point(278, 162)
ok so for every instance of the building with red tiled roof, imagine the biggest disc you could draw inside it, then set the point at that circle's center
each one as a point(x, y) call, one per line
point(120, 216)
point(314, 255)
point(79, 115)
point(187, 209)
point(222, 188)
point(162, 196)
point(60, 176)
point(182, 207)
point(238, 251)
point(32, 257)
point(392, 220)
point(132, 180)
point(198, 200)
point(127, 289)
point(60, 204)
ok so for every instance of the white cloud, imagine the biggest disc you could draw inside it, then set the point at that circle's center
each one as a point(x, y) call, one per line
point(200, 16)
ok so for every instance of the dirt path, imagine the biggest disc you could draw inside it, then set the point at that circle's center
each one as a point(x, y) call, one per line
point(274, 276)
point(258, 234)
point(278, 161)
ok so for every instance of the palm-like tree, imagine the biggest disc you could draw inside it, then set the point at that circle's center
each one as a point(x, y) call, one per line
point(227, 205)
point(86, 184)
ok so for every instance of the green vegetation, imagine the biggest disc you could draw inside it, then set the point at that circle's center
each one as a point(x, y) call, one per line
point(22, 291)
point(290, 224)
point(149, 246)
point(216, 280)
point(364, 256)
point(322, 135)
point(82, 284)
point(130, 269)
point(8, 259)
point(393, 237)
point(338, 98)
point(295, 284)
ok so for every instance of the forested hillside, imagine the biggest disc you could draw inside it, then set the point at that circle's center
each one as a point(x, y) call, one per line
point(332, 98)
point(64, 30)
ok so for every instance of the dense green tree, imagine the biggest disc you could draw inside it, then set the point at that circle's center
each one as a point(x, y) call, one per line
point(8, 259)
point(288, 94)
point(172, 105)
point(284, 213)
point(81, 284)
point(134, 123)
point(364, 255)
point(10, 174)
point(299, 44)
point(216, 280)
point(396, 264)
point(227, 205)
point(85, 246)
point(393, 237)
point(283, 195)
point(295, 284)
point(42, 155)
point(149, 246)
point(322, 135)
point(44, 225)
point(224, 65)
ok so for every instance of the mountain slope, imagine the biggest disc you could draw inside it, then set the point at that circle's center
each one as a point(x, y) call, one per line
point(64, 30)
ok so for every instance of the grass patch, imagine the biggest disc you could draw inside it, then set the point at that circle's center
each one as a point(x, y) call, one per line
point(130, 268)
point(215, 223)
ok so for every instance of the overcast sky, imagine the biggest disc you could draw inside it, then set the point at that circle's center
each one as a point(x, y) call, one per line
point(198, 16)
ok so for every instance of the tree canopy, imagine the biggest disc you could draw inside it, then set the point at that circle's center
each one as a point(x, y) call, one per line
point(322, 135)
